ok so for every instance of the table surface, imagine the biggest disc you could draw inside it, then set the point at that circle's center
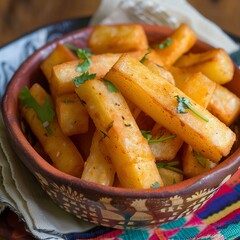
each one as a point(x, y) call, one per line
point(22, 16)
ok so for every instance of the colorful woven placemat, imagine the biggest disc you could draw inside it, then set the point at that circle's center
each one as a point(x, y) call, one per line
point(218, 219)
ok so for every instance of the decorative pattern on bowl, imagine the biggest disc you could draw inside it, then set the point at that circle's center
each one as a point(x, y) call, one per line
point(136, 212)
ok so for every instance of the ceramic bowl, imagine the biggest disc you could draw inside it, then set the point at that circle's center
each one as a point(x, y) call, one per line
point(110, 206)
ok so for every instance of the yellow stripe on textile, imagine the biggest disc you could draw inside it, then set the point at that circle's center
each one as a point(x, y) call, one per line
point(217, 216)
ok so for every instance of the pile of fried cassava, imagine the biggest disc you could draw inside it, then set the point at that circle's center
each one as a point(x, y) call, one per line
point(131, 114)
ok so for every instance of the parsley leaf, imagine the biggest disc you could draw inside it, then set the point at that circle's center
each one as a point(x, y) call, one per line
point(148, 136)
point(81, 53)
point(184, 103)
point(71, 47)
point(162, 139)
point(155, 185)
point(84, 66)
point(145, 55)
point(45, 112)
point(78, 81)
point(201, 159)
point(111, 87)
point(165, 44)
point(170, 166)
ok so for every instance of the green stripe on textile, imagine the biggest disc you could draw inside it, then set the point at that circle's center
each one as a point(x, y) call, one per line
point(134, 234)
point(231, 232)
point(174, 224)
point(187, 233)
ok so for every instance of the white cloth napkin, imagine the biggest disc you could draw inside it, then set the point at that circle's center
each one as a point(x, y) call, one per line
point(166, 13)
point(21, 192)
point(19, 189)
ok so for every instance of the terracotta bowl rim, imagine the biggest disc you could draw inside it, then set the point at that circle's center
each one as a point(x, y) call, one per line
point(18, 138)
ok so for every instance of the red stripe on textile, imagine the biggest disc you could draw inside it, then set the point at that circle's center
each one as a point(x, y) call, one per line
point(210, 232)
point(111, 235)
point(233, 216)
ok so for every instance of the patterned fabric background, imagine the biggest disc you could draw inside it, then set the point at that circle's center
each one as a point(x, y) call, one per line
point(218, 219)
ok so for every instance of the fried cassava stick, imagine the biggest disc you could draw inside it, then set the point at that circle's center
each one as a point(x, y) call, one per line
point(98, 168)
point(128, 149)
point(56, 144)
point(159, 99)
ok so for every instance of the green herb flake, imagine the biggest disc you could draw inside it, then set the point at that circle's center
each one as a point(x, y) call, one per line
point(170, 166)
point(78, 81)
point(148, 136)
point(201, 159)
point(145, 55)
point(155, 185)
point(184, 104)
point(71, 47)
point(45, 112)
point(165, 44)
point(81, 53)
point(162, 139)
point(84, 66)
point(111, 87)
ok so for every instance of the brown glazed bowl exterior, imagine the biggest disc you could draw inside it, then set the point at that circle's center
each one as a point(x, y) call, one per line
point(110, 206)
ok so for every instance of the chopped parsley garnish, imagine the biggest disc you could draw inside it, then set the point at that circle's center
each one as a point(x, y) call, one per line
point(145, 55)
point(201, 160)
point(84, 66)
point(148, 136)
point(184, 103)
point(155, 185)
point(81, 53)
point(170, 166)
point(165, 44)
point(45, 112)
point(111, 87)
point(71, 47)
point(78, 81)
